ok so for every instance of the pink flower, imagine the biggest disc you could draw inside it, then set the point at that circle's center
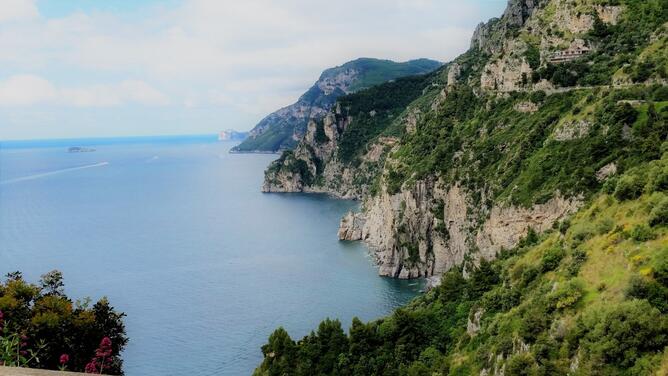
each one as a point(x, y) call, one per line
point(64, 359)
point(104, 351)
point(91, 367)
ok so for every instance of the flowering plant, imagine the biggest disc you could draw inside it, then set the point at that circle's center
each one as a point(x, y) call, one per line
point(102, 358)
point(14, 351)
point(63, 362)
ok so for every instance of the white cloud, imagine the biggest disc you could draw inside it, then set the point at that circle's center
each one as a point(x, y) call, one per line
point(23, 90)
point(243, 56)
point(13, 10)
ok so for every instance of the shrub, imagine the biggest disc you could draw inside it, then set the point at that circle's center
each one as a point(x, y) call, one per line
point(605, 226)
point(582, 232)
point(659, 214)
point(532, 56)
point(320, 135)
point(529, 275)
point(629, 187)
point(483, 278)
point(610, 185)
point(661, 268)
point(642, 233)
point(563, 226)
point(535, 320)
point(501, 299)
point(551, 259)
point(520, 365)
point(567, 295)
point(529, 240)
point(617, 335)
point(660, 180)
point(578, 258)
point(650, 290)
point(452, 286)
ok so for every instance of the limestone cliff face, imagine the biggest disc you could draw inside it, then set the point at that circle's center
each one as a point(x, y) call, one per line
point(429, 229)
point(314, 167)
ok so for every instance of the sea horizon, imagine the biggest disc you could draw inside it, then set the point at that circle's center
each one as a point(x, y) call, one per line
point(104, 140)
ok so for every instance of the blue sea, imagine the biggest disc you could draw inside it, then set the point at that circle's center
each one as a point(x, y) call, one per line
point(176, 233)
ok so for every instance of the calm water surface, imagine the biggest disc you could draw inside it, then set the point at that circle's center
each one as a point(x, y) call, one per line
point(178, 236)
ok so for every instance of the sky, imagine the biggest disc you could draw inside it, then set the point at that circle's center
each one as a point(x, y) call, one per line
point(97, 68)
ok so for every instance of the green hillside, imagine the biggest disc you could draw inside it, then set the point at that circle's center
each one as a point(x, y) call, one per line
point(513, 128)
point(595, 289)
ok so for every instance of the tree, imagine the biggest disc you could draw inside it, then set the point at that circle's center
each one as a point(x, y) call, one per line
point(52, 283)
point(617, 335)
point(279, 354)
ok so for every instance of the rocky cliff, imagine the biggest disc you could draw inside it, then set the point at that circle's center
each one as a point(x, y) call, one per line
point(285, 127)
point(510, 138)
point(343, 153)
point(430, 229)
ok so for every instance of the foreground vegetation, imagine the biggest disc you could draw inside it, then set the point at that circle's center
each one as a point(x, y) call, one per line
point(40, 327)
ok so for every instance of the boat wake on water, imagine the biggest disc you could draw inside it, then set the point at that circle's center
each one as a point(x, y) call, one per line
point(50, 173)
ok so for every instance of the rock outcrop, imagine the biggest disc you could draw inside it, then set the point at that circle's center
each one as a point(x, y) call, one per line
point(312, 167)
point(351, 227)
point(572, 130)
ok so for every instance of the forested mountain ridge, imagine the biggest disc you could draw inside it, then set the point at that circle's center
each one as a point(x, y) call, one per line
point(284, 128)
point(528, 180)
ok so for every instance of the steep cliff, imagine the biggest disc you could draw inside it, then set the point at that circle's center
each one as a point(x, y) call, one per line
point(514, 135)
point(285, 127)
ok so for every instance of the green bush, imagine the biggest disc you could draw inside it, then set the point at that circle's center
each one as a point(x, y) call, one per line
point(629, 187)
point(659, 214)
point(532, 56)
point(605, 226)
point(578, 258)
point(617, 335)
point(535, 320)
point(660, 180)
point(567, 295)
point(582, 232)
point(521, 365)
point(551, 259)
point(650, 290)
point(642, 233)
point(320, 135)
point(660, 266)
